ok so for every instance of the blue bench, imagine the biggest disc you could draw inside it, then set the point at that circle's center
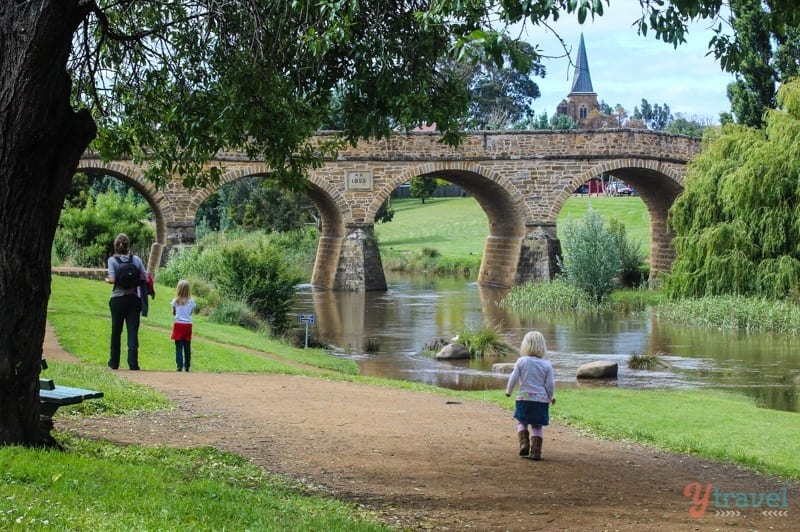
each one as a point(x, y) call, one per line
point(52, 397)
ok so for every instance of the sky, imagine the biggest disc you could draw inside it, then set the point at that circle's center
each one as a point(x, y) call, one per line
point(626, 67)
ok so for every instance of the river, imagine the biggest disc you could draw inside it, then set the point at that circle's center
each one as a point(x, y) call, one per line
point(395, 325)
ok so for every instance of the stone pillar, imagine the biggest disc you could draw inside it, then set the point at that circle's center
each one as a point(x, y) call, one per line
point(179, 235)
point(500, 257)
point(662, 252)
point(154, 260)
point(326, 263)
point(360, 267)
point(538, 259)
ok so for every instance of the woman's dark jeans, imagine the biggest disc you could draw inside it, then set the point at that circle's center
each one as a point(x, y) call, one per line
point(125, 311)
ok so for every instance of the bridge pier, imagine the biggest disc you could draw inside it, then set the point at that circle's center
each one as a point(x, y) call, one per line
point(359, 267)
point(538, 258)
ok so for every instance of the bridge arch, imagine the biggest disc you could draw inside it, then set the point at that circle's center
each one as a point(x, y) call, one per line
point(133, 176)
point(657, 183)
point(328, 200)
point(498, 197)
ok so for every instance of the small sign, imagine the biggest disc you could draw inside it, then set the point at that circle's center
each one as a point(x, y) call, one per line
point(308, 319)
point(358, 180)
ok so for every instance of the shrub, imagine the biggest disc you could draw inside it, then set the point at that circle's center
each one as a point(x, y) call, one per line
point(261, 277)
point(85, 236)
point(591, 258)
point(630, 254)
point(253, 268)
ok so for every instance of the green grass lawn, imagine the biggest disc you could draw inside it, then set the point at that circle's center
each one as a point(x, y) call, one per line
point(457, 227)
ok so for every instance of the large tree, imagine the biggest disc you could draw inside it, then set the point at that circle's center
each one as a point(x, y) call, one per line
point(737, 224)
point(501, 96)
point(173, 82)
point(762, 52)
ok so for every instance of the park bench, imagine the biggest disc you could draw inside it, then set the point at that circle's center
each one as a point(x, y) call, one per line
point(52, 397)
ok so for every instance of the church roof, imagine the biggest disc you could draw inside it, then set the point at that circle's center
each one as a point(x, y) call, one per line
point(582, 80)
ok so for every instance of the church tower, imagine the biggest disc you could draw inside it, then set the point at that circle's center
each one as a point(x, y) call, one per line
point(582, 99)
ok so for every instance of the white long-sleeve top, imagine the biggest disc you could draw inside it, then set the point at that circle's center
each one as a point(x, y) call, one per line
point(535, 377)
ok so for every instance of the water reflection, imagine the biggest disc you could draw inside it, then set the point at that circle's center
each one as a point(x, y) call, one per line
point(416, 309)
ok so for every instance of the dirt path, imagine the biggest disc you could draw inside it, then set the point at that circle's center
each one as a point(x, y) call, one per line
point(423, 461)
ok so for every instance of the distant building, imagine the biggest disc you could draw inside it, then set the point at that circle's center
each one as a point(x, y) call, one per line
point(582, 99)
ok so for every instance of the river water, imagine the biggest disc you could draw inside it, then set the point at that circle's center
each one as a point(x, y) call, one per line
point(384, 332)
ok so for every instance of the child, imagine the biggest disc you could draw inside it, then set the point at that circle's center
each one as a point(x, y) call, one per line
point(536, 386)
point(182, 307)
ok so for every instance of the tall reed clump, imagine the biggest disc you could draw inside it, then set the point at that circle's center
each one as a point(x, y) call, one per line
point(554, 296)
point(485, 341)
point(734, 312)
point(646, 361)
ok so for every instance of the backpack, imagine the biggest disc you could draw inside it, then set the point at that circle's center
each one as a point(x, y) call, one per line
point(127, 275)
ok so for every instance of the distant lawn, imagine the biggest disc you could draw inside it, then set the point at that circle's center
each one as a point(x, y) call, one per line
point(457, 227)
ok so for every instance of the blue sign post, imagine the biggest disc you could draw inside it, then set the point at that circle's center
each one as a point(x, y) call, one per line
point(308, 319)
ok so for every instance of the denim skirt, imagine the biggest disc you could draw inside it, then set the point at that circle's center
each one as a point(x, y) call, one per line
point(532, 413)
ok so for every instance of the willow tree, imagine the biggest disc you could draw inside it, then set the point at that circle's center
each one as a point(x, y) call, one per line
point(738, 221)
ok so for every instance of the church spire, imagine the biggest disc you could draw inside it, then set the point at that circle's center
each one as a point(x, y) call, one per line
point(582, 80)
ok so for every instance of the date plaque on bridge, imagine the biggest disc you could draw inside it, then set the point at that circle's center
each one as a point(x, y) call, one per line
point(358, 180)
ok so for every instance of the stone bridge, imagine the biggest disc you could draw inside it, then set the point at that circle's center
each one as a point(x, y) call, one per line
point(520, 179)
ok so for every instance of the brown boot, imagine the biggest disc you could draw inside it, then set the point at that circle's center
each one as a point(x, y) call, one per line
point(524, 443)
point(536, 448)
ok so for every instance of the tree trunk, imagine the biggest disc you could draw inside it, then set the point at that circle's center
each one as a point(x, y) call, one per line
point(41, 141)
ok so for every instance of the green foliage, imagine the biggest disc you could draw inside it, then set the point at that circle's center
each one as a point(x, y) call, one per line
point(691, 127)
point(591, 258)
point(235, 313)
point(85, 236)
point(734, 313)
point(555, 296)
point(256, 203)
point(422, 187)
point(501, 96)
point(485, 341)
point(257, 269)
point(385, 213)
point(736, 223)
point(655, 116)
point(630, 254)
point(262, 277)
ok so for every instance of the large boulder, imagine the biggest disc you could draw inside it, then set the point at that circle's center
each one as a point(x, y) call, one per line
point(503, 367)
point(453, 352)
point(599, 369)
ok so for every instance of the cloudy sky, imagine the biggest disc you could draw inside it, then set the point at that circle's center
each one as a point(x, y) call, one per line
point(626, 67)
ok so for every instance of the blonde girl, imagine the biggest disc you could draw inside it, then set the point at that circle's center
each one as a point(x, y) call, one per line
point(536, 382)
point(182, 306)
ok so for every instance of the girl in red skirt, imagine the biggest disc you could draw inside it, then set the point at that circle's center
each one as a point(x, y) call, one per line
point(182, 307)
